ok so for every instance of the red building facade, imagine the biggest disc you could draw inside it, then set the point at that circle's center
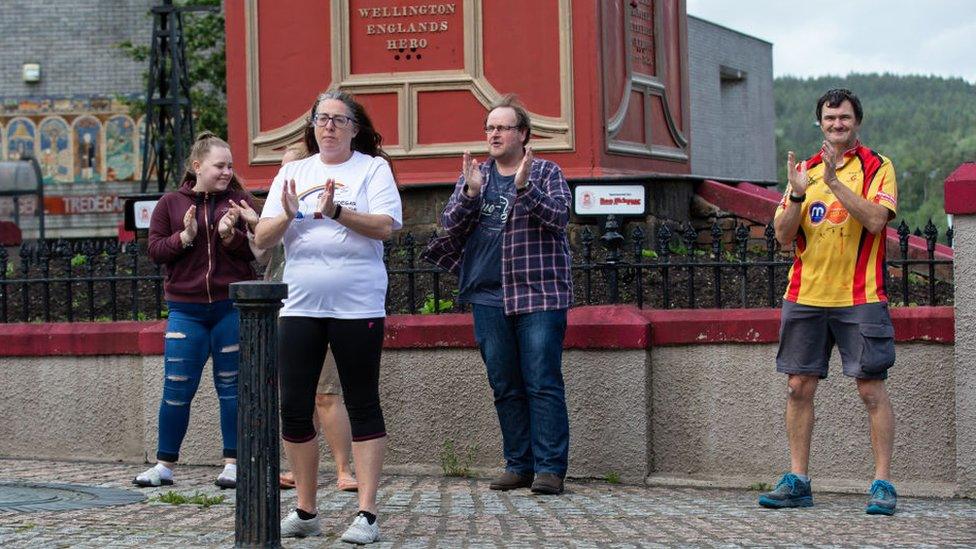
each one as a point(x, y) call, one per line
point(606, 83)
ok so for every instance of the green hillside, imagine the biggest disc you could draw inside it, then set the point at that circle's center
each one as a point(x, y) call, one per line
point(925, 124)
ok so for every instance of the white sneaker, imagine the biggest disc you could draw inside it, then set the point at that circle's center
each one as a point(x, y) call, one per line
point(157, 475)
point(361, 531)
point(294, 527)
point(228, 477)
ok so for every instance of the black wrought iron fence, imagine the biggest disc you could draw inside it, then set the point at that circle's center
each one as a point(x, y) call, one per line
point(79, 280)
point(681, 267)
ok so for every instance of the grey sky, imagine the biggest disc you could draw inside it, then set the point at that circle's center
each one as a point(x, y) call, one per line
point(897, 36)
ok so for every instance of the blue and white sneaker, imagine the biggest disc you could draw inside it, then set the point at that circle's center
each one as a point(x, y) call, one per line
point(883, 498)
point(790, 491)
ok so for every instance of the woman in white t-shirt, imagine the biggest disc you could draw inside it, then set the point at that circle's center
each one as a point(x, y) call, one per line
point(333, 210)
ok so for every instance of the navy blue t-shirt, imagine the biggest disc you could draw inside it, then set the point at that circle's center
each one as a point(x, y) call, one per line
point(480, 281)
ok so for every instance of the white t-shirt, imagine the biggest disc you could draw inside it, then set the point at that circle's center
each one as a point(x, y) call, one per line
point(332, 271)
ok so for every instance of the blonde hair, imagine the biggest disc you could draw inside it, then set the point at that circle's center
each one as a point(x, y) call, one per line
point(204, 143)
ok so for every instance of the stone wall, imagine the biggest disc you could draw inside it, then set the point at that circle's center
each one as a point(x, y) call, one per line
point(698, 401)
point(718, 410)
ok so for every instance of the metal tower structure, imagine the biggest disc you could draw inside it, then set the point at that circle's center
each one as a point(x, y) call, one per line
point(169, 113)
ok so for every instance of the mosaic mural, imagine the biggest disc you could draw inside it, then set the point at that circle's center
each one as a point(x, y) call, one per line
point(21, 135)
point(120, 149)
point(55, 155)
point(75, 139)
point(87, 145)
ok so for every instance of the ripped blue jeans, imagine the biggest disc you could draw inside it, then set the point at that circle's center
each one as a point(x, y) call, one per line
point(194, 332)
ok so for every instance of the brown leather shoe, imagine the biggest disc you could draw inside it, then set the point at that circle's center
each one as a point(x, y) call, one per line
point(510, 481)
point(547, 483)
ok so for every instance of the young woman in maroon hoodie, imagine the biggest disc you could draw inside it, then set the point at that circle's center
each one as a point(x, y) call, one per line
point(200, 233)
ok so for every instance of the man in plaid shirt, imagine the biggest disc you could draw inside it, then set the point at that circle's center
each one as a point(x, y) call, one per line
point(506, 240)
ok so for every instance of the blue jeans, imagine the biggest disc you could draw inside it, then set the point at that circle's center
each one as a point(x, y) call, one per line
point(523, 356)
point(194, 332)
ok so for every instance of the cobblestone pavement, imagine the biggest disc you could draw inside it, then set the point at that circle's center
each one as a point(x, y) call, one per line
point(430, 511)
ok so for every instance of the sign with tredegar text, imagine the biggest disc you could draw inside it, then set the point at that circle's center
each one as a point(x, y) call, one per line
point(405, 35)
point(609, 199)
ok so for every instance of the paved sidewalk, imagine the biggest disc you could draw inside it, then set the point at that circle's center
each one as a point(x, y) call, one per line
point(430, 511)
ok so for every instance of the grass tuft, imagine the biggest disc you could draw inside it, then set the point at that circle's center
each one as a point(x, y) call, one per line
point(197, 498)
point(456, 463)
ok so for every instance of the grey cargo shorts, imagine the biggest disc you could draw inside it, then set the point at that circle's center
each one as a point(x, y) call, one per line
point(863, 333)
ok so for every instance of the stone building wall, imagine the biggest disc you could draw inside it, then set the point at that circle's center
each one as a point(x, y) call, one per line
point(732, 111)
point(74, 42)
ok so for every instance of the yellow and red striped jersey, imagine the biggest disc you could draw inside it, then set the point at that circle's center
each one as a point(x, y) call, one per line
point(838, 262)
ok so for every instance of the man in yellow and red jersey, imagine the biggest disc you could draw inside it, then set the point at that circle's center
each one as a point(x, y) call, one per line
point(836, 207)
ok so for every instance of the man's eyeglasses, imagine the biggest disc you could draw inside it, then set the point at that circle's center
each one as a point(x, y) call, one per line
point(339, 120)
point(491, 129)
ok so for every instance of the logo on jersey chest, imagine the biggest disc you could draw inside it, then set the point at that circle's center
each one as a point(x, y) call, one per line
point(817, 212)
point(835, 213)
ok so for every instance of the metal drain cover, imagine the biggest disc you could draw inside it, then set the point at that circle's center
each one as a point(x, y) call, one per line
point(27, 496)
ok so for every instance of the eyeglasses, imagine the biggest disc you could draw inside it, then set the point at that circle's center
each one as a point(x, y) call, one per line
point(491, 129)
point(338, 120)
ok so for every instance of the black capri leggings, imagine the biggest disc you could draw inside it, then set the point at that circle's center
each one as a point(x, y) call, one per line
point(356, 345)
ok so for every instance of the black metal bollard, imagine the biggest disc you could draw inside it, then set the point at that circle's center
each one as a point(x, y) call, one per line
point(258, 514)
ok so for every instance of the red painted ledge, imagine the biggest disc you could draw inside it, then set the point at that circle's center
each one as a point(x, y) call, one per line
point(78, 338)
point(429, 331)
point(690, 326)
point(616, 327)
point(593, 327)
point(607, 327)
point(960, 190)
point(936, 324)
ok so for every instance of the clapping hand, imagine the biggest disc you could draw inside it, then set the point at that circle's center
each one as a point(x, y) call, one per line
point(525, 167)
point(471, 171)
point(246, 212)
point(830, 164)
point(326, 204)
point(798, 178)
point(289, 199)
point(189, 226)
point(225, 227)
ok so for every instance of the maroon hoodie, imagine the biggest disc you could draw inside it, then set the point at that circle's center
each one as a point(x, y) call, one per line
point(202, 272)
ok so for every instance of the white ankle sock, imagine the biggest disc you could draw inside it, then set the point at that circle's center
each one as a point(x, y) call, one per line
point(165, 472)
point(229, 472)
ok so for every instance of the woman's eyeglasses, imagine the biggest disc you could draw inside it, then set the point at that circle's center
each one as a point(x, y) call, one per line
point(338, 120)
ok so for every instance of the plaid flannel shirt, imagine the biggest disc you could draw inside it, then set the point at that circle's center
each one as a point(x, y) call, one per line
point(535, 249)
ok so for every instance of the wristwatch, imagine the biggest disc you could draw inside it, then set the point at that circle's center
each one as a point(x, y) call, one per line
point(797, 198)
